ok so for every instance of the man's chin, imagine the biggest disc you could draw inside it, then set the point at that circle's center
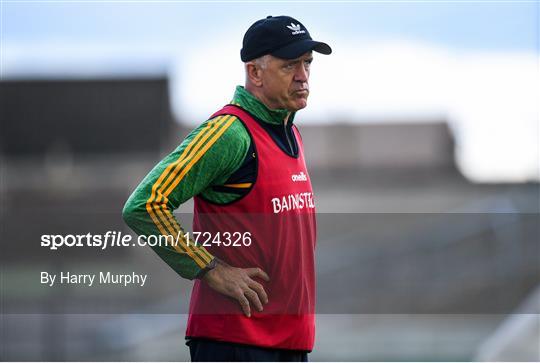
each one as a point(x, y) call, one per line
point(299, 104)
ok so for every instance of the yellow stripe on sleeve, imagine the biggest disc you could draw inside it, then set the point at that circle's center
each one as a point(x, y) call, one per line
point(238, 185)
point(197, 156)
point(158, 209)
point(179, 164)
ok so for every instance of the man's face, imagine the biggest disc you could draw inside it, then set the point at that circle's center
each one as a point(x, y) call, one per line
point(285, 82)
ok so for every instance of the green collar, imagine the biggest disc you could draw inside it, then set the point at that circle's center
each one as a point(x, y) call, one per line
point(250, 103)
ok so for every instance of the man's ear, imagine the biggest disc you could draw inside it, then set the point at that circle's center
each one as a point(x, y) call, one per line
point(254, 73)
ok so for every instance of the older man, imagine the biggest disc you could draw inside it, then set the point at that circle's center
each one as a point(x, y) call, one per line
point(254, 291)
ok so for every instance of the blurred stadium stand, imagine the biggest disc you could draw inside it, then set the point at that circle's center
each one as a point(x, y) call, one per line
point(90, 117)
point(516, 338)
point(76, 148)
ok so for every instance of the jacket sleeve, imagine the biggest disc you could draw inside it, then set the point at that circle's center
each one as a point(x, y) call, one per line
point(209, 154)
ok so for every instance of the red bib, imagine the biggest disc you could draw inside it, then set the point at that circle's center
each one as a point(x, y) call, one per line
point(272, 227)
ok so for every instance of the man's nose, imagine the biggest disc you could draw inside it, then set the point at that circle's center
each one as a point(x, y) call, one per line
point(302, 73)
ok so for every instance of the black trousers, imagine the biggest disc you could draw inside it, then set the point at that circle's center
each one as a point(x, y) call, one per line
point(204, 350)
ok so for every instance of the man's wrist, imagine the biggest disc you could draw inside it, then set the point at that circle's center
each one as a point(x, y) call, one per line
point(212, 265)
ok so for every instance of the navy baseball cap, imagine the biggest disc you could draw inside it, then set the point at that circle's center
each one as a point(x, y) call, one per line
point(281, 36)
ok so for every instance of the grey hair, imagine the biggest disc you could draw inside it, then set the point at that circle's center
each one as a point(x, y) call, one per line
point(261, 61)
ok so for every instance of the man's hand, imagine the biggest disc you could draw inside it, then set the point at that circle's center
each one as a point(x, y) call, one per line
point(238, 284)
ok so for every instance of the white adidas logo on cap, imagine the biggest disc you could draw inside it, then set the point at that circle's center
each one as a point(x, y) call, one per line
point(296, 29)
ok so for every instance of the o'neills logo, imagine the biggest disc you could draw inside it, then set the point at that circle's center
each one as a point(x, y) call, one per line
point(292, 202)
point(299, 177)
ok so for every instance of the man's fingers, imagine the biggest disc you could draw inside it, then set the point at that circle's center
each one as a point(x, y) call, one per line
point(254, 298)
point(259, 289)
point(238, 284)
point(244, 303)
point(257, 272)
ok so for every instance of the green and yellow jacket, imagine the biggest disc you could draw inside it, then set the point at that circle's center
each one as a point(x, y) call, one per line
point(216, 161)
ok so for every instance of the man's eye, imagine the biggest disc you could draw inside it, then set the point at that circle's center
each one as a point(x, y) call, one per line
point(288, 66)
